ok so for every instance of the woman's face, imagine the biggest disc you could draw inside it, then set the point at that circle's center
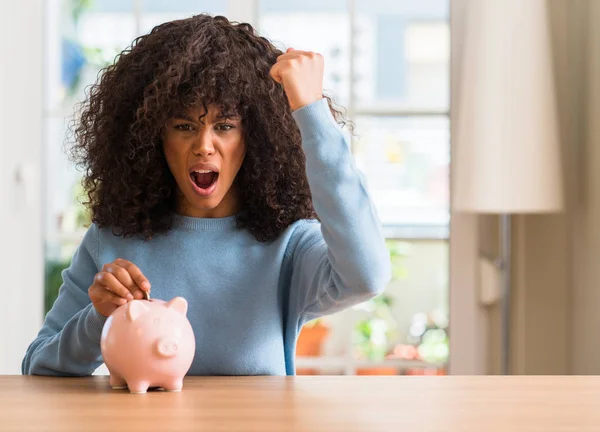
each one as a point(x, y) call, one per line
point(204, 154)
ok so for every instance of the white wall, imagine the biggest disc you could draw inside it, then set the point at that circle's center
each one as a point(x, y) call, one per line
point(552, 284)
point(545, 247)
point(21, 251)
point(556, 299)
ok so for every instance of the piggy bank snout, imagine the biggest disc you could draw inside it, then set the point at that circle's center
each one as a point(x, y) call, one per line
point(167, 347)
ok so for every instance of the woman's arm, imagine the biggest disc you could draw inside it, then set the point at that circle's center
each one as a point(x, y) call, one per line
point(343, 260)
point(69, 342)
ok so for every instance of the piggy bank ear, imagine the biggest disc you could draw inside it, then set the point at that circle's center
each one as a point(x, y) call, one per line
point(136, 309)
point(179, 304)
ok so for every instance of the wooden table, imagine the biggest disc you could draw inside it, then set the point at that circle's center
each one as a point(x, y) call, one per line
point(306, 403)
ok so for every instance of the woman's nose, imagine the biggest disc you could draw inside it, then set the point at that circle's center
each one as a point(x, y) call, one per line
point(204, 146)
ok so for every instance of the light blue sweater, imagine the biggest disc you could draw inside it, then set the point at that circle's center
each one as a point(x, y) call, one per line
point(247, 300)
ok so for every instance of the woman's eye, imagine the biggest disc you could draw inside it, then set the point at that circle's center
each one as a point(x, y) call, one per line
point(225, 127)
point(186, 127)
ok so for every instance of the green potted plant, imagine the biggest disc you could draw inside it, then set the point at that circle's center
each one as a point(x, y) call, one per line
point(310, 342)
point(429, 339)
point(375, 332)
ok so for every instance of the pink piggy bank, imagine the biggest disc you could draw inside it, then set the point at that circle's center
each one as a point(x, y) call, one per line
point(148, 344)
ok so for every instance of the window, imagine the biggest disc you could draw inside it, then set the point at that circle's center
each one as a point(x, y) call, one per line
point(406, 160)
point(387, 63)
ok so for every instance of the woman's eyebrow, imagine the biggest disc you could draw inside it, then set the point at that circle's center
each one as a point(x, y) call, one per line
point(221, 116)
point(229, 116)
point(184, 116)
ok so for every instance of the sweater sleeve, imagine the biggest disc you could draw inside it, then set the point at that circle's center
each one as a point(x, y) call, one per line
point(343, 260)
point(68, 343)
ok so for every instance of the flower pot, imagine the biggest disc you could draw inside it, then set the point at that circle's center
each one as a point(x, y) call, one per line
point(426, 371)
point(310, 344)
point(382, 370)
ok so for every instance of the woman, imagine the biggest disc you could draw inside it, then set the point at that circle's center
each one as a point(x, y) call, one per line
point(208, 157)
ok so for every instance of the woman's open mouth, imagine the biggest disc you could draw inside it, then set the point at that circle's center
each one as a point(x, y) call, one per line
point(204, 181)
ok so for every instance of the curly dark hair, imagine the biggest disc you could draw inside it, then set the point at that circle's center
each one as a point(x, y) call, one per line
point(201, 60)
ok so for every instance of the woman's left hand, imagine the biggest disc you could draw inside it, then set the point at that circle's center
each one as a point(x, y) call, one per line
point(301, 74)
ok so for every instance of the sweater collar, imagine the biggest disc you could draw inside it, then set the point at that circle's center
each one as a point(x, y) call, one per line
point(228, 223)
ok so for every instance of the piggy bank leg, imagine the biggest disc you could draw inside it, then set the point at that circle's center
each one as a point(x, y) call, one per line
point(173, 385)
point(117, 382)
point(138, 386)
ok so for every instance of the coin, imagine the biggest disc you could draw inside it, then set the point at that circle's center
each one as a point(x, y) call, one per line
point(147, 295)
